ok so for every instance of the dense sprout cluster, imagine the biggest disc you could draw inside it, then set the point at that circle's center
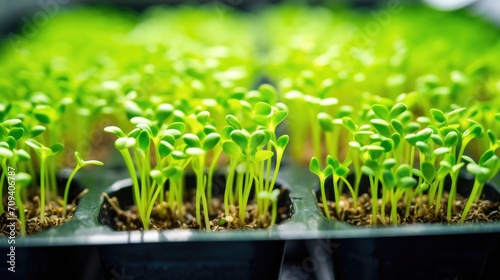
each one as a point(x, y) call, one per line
point(181, 88)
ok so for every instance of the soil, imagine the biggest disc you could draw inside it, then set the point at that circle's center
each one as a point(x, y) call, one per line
point(162, 217)
point(53, 216)
point(482, 211)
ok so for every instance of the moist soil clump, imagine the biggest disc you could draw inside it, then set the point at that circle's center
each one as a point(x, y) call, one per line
point(420, 212)
point(53, 216)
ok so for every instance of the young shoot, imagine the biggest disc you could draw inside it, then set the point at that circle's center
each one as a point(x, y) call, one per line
point(44, 153)
point(79, 164)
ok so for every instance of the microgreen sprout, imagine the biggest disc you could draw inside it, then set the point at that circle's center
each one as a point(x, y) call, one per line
point(79, 164)
point(44, 153)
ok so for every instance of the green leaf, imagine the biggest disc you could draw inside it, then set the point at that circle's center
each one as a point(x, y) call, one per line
point(428, 171)
point(388, 179)
point(368, 171)
point(171, 171)
point(240, 138)
point(423, 187)
point(314, 166)
point(342, 171)
point(6, 153)
point(178, 155)
point(257, 139)
point(455, 112)
point(261, 120)
point(404, 170)
point(191, 140)
point(262, 108)
point(16, 132)
point(134, 133)
point(423, 148)
point(457, 167)
point(114, 130)
point(225, 133)
point(164, 111)
point(349, 124)
point(172, 132)
point(93, 162)
point(397, 110)
point(11, 122)
point(179, 116)
point(381, 111)
point(437, 139)
point(328, 171)
point(12, 142)
point(144, 140)
point(179, 126)
point(278, 117)
point(407, 182)
point(23, 179)
point(146, 128)
point(157, 176)
point(441, 151)
point(487, 155)
point(389, 163)
point(451, 139)
point(45, 114)
point(334, 163)
point(397, 125)
point(210, 141)
point(438, 115)
point(138, 120)
point(355, 145)
point(23, 155)
point(294, 94)
point(57, 148)
point(374, 151)
point(482, 174)
point(202, 117)
point(491, 137)
point(412, 127)
point(325, 121)
point(124, 143)
point(168, 138)
point(381, 126)
point(373, 165)
point(231, 149)
point(282, 141)
point(132, 109)
point(330, 101)
point(233, 121)
point(476, 131)
point(396, 139)
point(268, 92)
point(37, 130)
point(165, 148)
point(195, 151)
point(425, 134)
point(79, 159)
point(209, 129)
point(263, 155)
point(34, 144)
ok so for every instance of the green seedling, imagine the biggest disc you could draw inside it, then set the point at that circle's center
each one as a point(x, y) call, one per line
point(483, 171)
point(44, 153)
point(79, 164)
point(273, 197)
point(22, 181)
point(250, 154)
point(315, 168)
